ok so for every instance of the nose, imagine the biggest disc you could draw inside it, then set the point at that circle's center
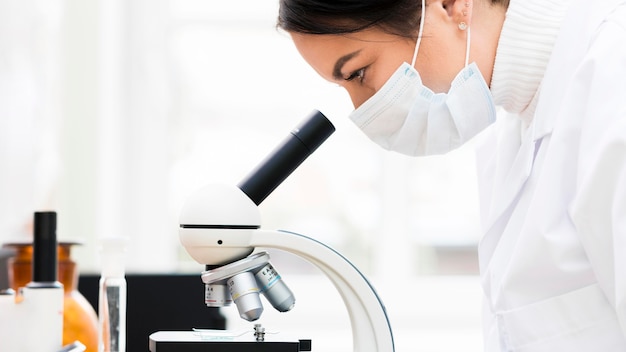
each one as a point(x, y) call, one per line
point(359, 95)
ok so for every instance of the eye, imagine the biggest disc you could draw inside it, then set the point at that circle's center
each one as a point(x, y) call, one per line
point(358, 74)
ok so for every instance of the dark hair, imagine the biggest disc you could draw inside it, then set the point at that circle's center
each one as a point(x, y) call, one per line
point(399, 17)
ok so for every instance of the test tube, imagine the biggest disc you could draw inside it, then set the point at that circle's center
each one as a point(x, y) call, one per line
point(112, 297)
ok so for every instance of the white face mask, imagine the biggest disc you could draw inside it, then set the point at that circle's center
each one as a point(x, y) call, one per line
point(407, 117)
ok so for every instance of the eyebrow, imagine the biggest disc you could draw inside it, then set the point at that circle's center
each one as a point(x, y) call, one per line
point(341, 62)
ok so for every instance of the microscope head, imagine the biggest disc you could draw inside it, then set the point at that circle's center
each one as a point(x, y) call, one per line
point(216, 223)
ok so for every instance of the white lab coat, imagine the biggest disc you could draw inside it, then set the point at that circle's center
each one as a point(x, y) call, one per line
point(553, 197)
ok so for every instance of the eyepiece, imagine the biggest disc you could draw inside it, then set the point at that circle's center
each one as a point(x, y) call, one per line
point(278, 165)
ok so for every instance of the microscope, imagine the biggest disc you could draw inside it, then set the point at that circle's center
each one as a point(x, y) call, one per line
point(220, 227)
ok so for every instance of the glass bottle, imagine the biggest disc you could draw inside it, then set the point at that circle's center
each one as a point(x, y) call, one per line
point(80, 321)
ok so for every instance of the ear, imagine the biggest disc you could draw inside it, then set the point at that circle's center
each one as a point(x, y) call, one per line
point(459, 11)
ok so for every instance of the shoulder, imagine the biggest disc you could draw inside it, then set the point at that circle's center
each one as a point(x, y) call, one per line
point(610, 31)
point(604, 58)
point(603, 65)
point(587, 58)
point(586, 30)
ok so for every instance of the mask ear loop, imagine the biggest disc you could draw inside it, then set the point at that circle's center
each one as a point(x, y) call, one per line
point(420, 32)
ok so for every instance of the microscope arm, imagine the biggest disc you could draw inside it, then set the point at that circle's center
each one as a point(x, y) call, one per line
point(371, 330)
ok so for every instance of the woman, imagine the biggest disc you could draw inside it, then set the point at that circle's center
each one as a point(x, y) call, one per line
point(425, 78)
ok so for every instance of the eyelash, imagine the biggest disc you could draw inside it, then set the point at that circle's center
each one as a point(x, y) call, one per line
point(360, 74)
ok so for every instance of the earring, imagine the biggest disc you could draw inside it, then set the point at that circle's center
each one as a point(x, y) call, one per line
point(463, 25)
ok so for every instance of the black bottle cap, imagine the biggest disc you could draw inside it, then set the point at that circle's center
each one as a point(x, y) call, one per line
point(45, 247)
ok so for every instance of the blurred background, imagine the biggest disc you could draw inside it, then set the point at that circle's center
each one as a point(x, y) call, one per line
point(112, 112)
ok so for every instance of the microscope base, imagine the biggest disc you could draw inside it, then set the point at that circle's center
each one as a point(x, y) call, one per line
point(189, 341)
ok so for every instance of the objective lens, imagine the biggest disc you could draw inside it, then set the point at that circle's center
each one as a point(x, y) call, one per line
point(217, 295)
point(245, 293)
point(274, 289)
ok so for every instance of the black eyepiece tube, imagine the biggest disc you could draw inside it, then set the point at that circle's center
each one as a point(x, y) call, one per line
point(301, 142)
point(45, 247)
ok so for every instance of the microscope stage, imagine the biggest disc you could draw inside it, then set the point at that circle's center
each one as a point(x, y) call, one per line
point(192, 341)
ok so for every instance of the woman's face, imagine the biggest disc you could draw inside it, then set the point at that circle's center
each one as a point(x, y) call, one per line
point(362, 62)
